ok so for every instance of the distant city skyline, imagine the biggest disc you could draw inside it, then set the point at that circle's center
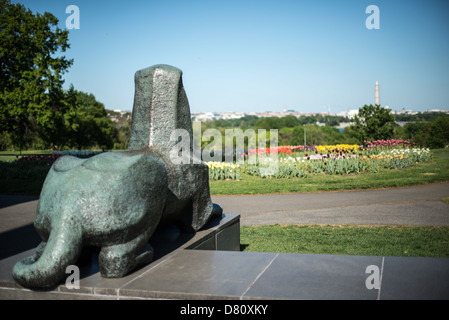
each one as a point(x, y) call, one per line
point(262, 55)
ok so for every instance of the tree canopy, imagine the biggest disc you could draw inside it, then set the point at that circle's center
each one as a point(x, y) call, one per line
point(88, 122)
point(373, 123)
point(30, 73)
point(34, 107)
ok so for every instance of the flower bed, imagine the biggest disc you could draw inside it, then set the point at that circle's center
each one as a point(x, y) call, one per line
point(379, 145)
point(223, 170)
point(287, 162)
point(299, 161)
point(38, 160)
point(402, 158)
point(338, 148)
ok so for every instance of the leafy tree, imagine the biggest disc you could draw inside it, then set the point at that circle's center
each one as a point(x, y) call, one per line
point(289, 121)
point(348, 136)
point(433, 134)
point(30, 74)
point(333, 136)
point(373, 123)
point(285, 136)
point(331, 121)
point(269, 123)
point(417, 132)
point(122, 126)
point(439, 137)
point(87, 122)
point(307, 120)
point(297, 136)
point(314, 135)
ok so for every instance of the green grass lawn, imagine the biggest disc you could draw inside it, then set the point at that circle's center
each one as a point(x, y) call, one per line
point(416, 241)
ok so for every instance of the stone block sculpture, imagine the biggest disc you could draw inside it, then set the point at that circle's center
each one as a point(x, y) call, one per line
point(116, 200)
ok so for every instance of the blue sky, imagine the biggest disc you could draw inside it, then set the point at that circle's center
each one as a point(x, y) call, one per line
point(257, 55)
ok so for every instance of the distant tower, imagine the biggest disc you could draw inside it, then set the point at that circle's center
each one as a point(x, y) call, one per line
point(377, 94)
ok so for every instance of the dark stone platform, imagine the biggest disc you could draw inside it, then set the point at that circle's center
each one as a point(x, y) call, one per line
point(168, 242)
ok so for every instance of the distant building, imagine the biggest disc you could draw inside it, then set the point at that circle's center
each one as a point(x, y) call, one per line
point(209, 116)
point(404, 111)
point(348, 114)
point(377, 97)
point(116, 115)
point(231, 115)
point(203, 116)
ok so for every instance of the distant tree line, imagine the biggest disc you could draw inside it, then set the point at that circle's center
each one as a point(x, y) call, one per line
point(420, 116)
point(371, 123)
point(288, 121)
point(431, 134)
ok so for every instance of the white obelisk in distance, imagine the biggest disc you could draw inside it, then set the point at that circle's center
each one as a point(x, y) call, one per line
point(377, 94)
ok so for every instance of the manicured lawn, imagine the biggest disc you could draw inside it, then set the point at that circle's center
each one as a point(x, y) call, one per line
point(419, 241)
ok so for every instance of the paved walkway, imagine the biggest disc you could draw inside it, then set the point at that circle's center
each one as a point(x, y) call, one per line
point(418, 205)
